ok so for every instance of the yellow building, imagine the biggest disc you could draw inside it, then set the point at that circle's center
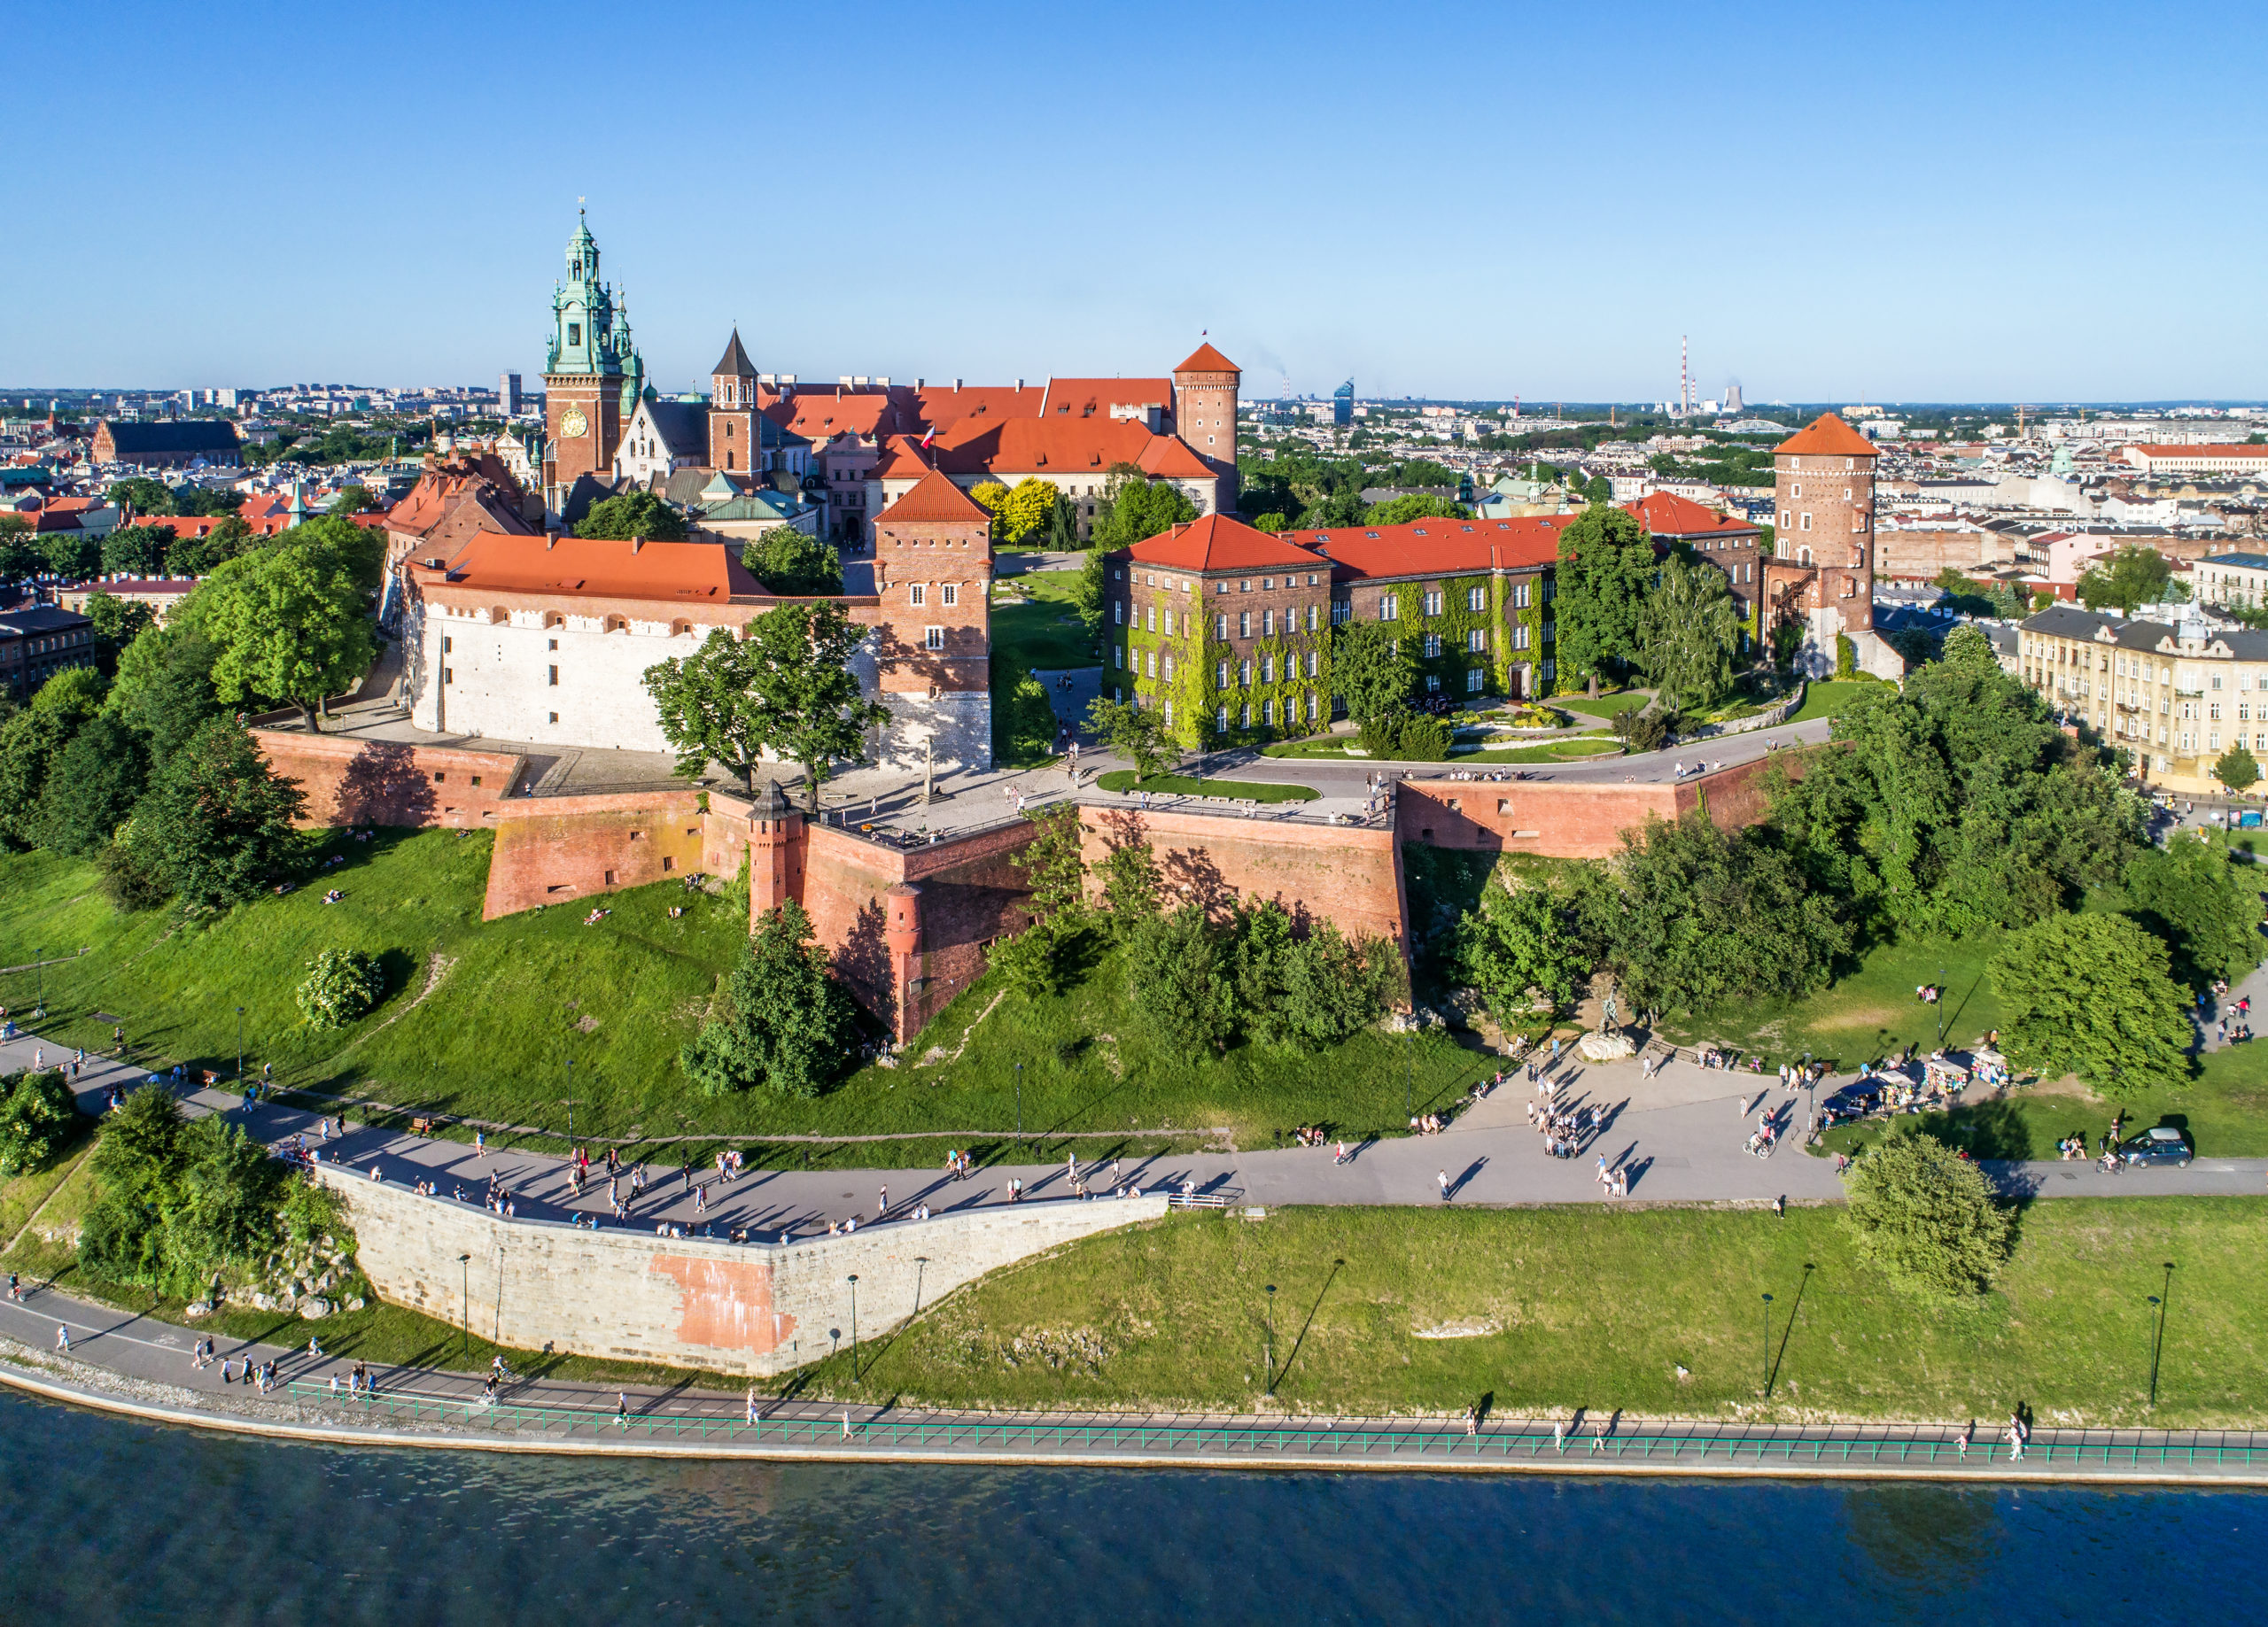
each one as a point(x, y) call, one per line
point(2175, 697)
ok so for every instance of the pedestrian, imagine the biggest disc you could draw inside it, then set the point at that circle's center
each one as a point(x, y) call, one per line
point(1559, 1435)
point(883, 1207)
point(621, 1410)
point(1967, 1432)
point(751, 1402)
point(62, 1337)
point(1341, 1159)
point(1779, 1205)
point(1442, 1179)
point(479, 1145)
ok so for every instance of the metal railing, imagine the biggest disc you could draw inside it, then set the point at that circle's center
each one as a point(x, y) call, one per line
point(1696, 1446)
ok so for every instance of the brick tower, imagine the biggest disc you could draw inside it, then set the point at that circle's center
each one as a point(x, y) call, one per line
point(732, 444)
point(1822, 570)
point(1205, 413)
point(592, 376)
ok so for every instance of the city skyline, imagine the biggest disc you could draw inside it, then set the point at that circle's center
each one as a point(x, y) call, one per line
point(1543, 229)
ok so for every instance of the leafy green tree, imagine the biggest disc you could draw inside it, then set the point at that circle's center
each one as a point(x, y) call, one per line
point(136, 550)
point(31, 741)
point(991, 496)
point(711, 708)
point(1372, 671)
point(2090, 995)
point(164, 688)
point(288, 624)
point(333, 543)
point(1139, 733)
point(1061, 529)
point(37, 1114)
point(196, 557)
point(1304, 991)
point(207, 500)
point(1927, 1217)
point(2204, 907)
point(341, 985)
point(2136, 576)
point(140, 494)
point(1134, 507)
point(73, 555)
point(1958, 804)
point(179, 1200)
point(21, 557)
point(353, 499)
point(1415, 506)
point(1691, 917)
point(1054, 866)
point(1130, 882)
point(1598, 489)
point(799, 673)
point(1606, 571)
point(1091, 593)
point(634, 514)
point(137, 1165)
point(793, 565)
point(1690, 628)
point(2237, 768)
point(92, 785)
point(1026, 509)
point(787, 1026)
point(1177, 982)
point(117, 624)
point(1521, 939)
point(216, 826)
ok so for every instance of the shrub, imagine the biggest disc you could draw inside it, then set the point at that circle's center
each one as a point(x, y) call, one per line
point(340, 986)
point(1927, 1217)
point(1643, 729)
point(786, 1023)
point(1404, 737)
point(36, 1114)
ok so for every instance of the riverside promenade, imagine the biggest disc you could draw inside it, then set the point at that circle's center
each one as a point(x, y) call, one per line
point(124, 1364)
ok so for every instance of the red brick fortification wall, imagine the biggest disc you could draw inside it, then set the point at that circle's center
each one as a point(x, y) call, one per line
point(1348, 876)
point(1575, 821)
point(352, 781)
point(555, 848)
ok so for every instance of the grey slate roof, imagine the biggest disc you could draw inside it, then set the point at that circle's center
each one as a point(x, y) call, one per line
point(36, 619)
point(684, 427)
point(2072, 622)
point(187, 435)
point(734, 362)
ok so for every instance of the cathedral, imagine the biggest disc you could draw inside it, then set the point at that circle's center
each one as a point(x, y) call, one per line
point(593, 376)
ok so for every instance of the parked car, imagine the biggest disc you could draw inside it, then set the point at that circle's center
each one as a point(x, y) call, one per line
point(1855, 1100)
point(2161, 1143)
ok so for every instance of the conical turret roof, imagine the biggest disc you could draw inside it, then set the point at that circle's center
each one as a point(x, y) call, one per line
point(734, 362)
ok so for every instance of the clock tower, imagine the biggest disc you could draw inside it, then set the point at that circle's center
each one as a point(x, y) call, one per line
point(593, 374)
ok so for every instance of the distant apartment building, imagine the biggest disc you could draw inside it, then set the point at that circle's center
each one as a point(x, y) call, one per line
point(2158, 458)
point(39, 642)
point(2238, 581)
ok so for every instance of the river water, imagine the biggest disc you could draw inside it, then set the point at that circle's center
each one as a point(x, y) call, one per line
point(104, 1520)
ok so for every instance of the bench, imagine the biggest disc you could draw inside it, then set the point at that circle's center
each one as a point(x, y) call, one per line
point(1195, 1200)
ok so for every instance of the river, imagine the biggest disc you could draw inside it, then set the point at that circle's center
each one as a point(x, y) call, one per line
point(104, 1520)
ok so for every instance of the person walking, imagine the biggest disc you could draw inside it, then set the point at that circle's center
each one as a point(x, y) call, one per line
point(62, 1338)
point(621, 1409)
point(1967, 1432)
point(881, 1206)
point(1336, 1161)
point(1442, 1179)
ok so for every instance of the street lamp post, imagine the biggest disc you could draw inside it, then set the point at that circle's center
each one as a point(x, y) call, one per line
point(1020, 1107)
point(1940, 1003)
point(854, 1327)
point(39, 972)
point(240, 1046)
point(464, 1264)
point(1271, 1338)
point(1768, 1346)
point(570, 1107)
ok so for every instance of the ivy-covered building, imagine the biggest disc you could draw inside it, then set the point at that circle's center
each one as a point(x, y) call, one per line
point(1228, 628)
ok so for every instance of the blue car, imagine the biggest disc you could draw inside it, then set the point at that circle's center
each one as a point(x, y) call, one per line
point(2161, 1143)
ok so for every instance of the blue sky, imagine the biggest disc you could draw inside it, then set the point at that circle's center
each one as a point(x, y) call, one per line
point(2036, 202)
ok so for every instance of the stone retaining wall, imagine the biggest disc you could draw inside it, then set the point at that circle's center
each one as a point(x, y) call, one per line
point(757, 1309)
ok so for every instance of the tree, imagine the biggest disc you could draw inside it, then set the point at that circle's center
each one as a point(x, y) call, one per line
point(710, 707)
point(1927, 1217)
point(196, 557)
point(37, 1112)
point(1305, 992)
point(1138, 732)
point(2089, 995)
point(73, 555)
point(1091, 593)
point(1130, 882)
point(207, 500)
point(1372, 671)
point(798, 672)
point(2136, 576)
point(31, 741)
point(2237, 768)
point(1134, 507)
point(340, 986)
point(2200, 904)
point(117, 624)
point(288, 624)
point(1176, 983)
point(787, 1026)
point(991, 496)
point(634, 514)
point(1415, 506)
point(21, 557)
point(136, 550)
point(1520, 941)
point(140, 494)
point(92, 785)
point(1053, 865)
point(216, 826)
point(351, 499)
point(1691, 627)
point(1606, 570)
point(1026, 509)
point(793, 565)
point(332, 542)
point(164, 688)
point(1597, 489)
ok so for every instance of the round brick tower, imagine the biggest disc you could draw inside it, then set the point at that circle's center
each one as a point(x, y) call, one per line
point(1205, 413)
point(1823, 567)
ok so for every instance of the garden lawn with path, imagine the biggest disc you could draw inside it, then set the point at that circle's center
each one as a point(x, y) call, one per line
point(1826, 697)
point(1607, 707)
point(1580, 749)
point(1046, 633)
point(1122, 780)
point(1655, 1311)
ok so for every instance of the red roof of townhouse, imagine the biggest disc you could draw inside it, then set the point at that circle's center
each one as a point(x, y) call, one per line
point(940, 405)
point(597, 568)
point(822, 414)
point(1216, 542)
point(1058, 447)
point(1205, 359)
point(1093, 397)
point(1438, 548)
point(1666, 513)
point(1829, 435)
point(184, 525)
point(934, 497)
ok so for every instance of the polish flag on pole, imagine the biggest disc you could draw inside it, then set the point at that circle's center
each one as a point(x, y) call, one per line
point(928, 436)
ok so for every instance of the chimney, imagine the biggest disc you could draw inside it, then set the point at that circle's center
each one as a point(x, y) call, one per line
point(956, 386)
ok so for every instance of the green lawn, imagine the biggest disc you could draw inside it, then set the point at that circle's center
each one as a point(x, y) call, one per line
point(1561, 1308)
point(1331, 746)
point(524, 995)
point(1577, 749)
point(1606, 706)
point(1176, 784)
point(1046, 634)
point(1826, 697)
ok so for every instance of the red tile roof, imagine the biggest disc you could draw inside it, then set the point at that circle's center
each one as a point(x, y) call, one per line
point(1829, 435)
point(664, 572)
point(1666, 513)
point(942, 405)
point(1010, 448)
point(2220, 450)
point(1216, 542)
point(1438, 548)
point(821, 415)
point(934, 497)
point(1081, 398)
point(1205, 359)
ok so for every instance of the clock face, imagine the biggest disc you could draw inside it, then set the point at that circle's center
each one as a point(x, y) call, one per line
point(574, 424)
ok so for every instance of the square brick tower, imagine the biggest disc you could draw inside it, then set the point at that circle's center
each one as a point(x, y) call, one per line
point(933, 656)
point(1822, 570)
point(1205, 413)
point(592, 374)
point(732, 444)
